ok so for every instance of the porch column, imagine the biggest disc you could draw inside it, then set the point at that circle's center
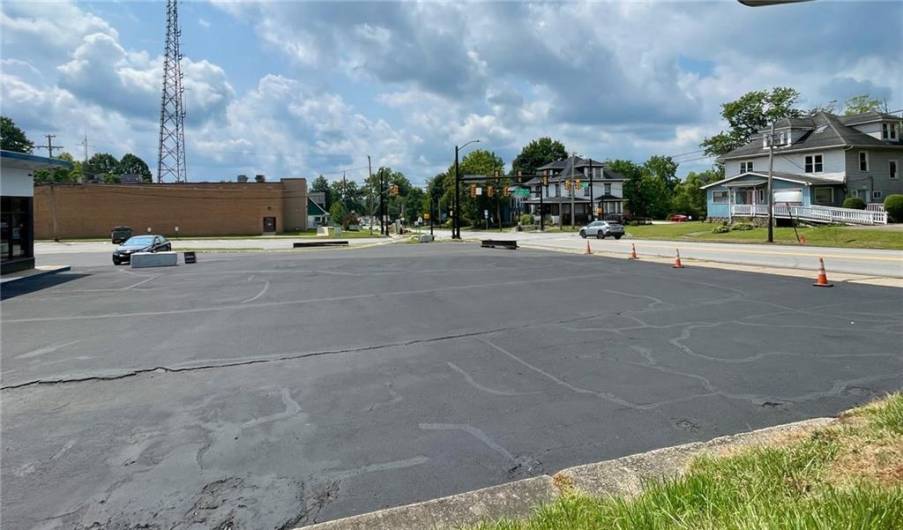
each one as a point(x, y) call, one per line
point(730, 213)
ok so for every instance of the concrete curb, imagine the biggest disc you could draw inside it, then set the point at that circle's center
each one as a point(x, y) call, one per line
point(622, 476)
point(842, 277)
point(37, 272)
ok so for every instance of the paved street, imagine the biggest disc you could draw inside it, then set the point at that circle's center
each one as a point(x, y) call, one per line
point(884, 263)
point(273, 390)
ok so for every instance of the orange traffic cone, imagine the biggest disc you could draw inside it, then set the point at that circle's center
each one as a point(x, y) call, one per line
point(588, 250)
point(822, 280)
point(632, 254)
point(677, 263)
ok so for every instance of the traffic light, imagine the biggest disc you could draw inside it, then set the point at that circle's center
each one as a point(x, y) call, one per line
point(393, 190)
point(578, 184)
point(545, 180)
point(567, 184)
point(473, 191)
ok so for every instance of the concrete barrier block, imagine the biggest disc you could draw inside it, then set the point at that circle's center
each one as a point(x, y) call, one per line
point(154, 259)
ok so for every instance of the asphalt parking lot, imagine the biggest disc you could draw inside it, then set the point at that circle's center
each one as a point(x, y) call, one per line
point(276, 390)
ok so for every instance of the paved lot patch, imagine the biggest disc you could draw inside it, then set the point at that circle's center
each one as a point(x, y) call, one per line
point(265, 390)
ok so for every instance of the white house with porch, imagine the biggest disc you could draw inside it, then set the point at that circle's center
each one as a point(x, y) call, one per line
point(592, 188)
point(819, 160)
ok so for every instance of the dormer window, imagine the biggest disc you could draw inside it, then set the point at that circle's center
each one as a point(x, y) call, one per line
point(814, 164)
point(746, 166)
point(888, 131)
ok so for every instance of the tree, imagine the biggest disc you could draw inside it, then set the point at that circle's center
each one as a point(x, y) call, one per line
point(132, 165)
point(59, 175)
point(861, 105)
point(320, 184)
point(12, 138)
point(337, 213)
point(633, 186)
point(477, 162)
point(103, 166)
point(348, 192)
point(538, 153)
point(749, 114)
point(689, 198)
point(663, 168)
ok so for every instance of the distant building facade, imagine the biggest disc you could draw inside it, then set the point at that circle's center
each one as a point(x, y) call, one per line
point(819, 161)
point(187, 209)
point(599, 191)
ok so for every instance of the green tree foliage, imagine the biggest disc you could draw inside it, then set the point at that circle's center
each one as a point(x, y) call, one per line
point(538, 153)
point(862, 104)
point(103, 166)
point(664, 169)
point(688, 198)
point(133, 165)
point(893, 205)
point(12, 138)
point(633, 186)
point(752, 112)
point(854, 202)
point(337, 213)
point(60, 175)
point(348, 193)
point(320, 184)
point(477, 162)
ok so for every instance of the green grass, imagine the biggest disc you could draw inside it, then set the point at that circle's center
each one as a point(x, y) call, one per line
point(826, 236)
point(844, 476)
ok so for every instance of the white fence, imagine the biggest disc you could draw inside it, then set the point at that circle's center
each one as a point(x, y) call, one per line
point(819, 214)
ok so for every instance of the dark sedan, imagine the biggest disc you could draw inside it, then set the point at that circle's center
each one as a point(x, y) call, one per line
point(148, 243)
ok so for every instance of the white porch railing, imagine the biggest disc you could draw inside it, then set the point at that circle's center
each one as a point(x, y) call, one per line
point(875, 207)
point(819, 214)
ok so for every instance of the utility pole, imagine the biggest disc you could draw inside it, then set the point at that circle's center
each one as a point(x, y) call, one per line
point(50, 147)
point(573, 190)
point(344, 191)
point(370, 193)
point(592, 203)
point(770, 193)
point(456, 226)
point(543, 183)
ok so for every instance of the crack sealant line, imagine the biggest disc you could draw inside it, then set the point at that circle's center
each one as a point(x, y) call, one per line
point(304, 301)
point(260, 360)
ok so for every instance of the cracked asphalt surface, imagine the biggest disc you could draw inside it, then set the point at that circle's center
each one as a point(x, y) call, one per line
point(277, 390)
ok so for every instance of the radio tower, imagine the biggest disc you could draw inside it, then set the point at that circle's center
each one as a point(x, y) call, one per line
point(171, 150)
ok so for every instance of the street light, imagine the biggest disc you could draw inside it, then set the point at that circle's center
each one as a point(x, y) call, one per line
point(456, 229)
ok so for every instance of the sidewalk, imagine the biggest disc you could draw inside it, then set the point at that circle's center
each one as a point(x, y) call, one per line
point(863, 262)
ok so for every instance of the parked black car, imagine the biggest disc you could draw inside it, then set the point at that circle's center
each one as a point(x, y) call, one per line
point(148, 243)
point(120, 234)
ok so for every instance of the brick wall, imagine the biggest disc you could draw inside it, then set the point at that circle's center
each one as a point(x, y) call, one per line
point(197, 209)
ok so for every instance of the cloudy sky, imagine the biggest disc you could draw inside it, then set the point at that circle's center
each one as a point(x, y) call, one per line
point(294, 88)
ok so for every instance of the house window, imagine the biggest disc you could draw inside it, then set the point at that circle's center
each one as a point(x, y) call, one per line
point(893, 131)
point(608, 189)
point(746, 166)
point(863, 161)
point(892, 169)
point(719, 197)
point(824, 195)
point(885, 133)
point(876, 195)
point(760, 196)
point(814, 164)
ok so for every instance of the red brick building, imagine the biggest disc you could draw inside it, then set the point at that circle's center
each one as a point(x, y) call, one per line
point(64, 211)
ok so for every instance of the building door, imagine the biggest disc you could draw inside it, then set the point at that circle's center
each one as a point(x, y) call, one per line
point(269, 224)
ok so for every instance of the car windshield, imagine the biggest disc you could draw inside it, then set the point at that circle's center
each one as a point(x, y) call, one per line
point(140, 240)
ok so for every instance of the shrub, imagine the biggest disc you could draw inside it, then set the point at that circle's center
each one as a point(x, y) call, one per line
point(742, 226)
point(893, 205)
point(526, 219)
point(854, 202)
point(721, 229)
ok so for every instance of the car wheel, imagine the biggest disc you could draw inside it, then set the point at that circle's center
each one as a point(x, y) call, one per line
point(583, 234)
point(116, 261)
point(600, 235)
point(617, 237)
